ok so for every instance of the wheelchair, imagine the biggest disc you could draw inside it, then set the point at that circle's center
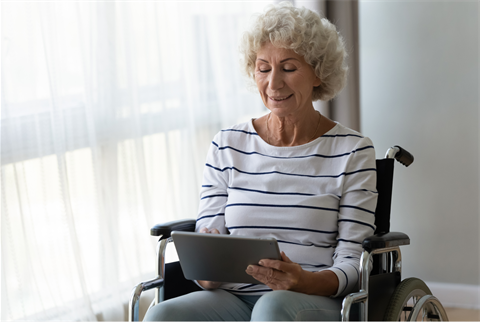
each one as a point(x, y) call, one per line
point(383, 296)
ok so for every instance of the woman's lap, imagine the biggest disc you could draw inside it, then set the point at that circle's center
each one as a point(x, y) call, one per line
point(293, 306)
point(219, 305)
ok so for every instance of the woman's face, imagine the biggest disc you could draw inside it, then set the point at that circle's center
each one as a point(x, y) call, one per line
point(285, 80)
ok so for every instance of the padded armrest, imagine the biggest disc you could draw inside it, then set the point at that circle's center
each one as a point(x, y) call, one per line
point(390, 239)
point(166, 229)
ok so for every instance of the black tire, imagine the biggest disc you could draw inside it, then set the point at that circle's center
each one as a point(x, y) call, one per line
point(407, 293)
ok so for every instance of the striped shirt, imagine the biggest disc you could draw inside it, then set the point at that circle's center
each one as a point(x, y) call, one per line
point(317, 200)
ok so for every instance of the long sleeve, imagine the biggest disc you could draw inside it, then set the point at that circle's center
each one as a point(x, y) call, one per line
point(214, 193)
point(356, 216)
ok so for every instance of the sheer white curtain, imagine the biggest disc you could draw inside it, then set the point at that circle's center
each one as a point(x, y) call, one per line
point(108, 109)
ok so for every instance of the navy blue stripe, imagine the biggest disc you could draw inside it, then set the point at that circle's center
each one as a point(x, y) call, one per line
point(349, 241)
point(273, 193)
point(233, 130)
point(210, 216)
point(247, 291)
point(364, 148)
point(350, 257)
point(369, 191)
point(295, 157)
point(341, 136)
point(304, 264)
point(287, 242)
point(207, 186)
point(346, 284)
point(359, 208)
point(212, 196)
point(246, 286)
point(357, 222)
point(282, 228)
point(290, 174)
point(278, 206)
point(361, 170)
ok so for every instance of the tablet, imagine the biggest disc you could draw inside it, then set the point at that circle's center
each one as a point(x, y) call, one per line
point(221, 258)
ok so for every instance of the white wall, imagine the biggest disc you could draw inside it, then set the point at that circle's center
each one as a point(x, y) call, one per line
point(420, 90)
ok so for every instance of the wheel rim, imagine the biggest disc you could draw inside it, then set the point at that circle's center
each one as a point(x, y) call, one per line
point(430, 308)
point(409, 303)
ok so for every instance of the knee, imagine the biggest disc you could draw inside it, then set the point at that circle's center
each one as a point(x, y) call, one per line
point(169, 310)
point(160, 312)
point(273, 306)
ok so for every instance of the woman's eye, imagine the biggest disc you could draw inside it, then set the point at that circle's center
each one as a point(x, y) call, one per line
point(285, 70)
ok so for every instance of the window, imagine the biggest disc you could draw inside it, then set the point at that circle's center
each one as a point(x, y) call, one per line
point(108, 110)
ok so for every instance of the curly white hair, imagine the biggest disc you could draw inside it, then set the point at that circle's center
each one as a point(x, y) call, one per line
point(303, 31)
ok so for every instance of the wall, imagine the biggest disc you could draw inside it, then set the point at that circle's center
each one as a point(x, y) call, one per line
point(419, 67)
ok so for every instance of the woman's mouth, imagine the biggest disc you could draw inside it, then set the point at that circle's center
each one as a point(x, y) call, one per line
point(280, 98)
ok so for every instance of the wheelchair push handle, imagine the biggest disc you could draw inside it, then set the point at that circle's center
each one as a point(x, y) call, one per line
point(400, 154)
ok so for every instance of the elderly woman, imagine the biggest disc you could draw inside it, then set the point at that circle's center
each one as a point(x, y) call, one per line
point(293, 175)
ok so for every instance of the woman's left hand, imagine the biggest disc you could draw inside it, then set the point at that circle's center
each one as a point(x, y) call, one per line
point(278, 274)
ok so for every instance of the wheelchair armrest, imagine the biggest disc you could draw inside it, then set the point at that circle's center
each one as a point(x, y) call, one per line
point(386, 240)
point(166, 229)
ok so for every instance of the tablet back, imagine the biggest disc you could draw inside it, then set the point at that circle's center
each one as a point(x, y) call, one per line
point(221, 258)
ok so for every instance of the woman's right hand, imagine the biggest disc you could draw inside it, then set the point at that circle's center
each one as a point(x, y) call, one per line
point(209, 285)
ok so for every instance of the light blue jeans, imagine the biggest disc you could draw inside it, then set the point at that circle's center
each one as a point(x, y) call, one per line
point(220, 305)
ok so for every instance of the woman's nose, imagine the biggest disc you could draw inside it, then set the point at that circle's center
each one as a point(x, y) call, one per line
point(276, 80)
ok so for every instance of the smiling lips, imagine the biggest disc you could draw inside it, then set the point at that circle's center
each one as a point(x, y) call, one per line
point(280, 98)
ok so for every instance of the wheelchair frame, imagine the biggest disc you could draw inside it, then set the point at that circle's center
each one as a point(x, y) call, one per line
point(383, 245)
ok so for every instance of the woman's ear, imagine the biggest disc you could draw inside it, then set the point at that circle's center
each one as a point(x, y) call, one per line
point(317, 82)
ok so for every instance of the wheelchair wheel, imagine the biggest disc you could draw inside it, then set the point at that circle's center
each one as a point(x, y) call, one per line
point(407, 294)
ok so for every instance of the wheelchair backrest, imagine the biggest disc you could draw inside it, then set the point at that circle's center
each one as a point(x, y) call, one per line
point(384, 188)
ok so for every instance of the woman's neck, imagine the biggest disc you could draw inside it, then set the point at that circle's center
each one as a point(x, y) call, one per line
point(292, 131)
